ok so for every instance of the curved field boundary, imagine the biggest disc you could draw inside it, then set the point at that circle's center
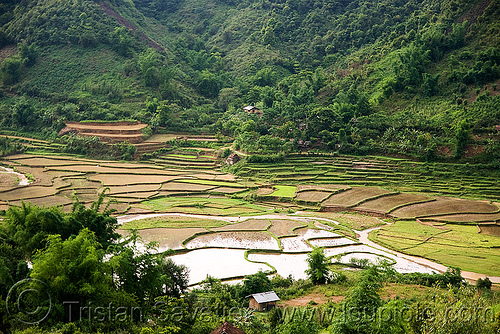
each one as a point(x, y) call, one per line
point(481, 217)
point(439, 215)
point(374, 198)
point(391, 260)
point(227, 228)
point(445, 206)
point(256, 251)
point(292, 230)
point(411, 203)
point(391, 202)
point(373, 213)
point(334, 192)
point(352, 197)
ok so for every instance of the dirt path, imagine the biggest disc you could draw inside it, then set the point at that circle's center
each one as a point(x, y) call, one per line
point(23, 180)
point(106, 9)
point(318, 298)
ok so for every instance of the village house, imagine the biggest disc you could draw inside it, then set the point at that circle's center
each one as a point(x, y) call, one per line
point(263, 301)
point(232, 159)
point(252, 110)
point(227, 328)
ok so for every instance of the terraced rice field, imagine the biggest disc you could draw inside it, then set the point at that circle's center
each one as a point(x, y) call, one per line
point(331, 242)
point(58, 178)
point(248, 225)
point(312, 196)
point(284, 191)
point(167, 238)
point(190, 182)
point(490, 230)
point(354, 196)
point(391, 202)
point(443, 206)
point(456, 245)
point(282, 228)
point(471, 217)
point(243, 240)
point(355, 221)
point(399, 174)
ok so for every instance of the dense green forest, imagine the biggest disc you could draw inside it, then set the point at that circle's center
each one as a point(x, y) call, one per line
point(417, 78)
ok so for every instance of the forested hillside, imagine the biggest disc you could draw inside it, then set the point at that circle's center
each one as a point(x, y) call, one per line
point(417, 78)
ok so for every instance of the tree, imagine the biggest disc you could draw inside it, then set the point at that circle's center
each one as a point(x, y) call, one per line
point(430, 84)
point(298, 327)
point(145, 274)
point(28, 52)
point(121, 41)
point(11, 70)
point(318, 266)
point(462, 133)
point(255, 283)
point(73, 270)
point(23, 112)
point(209, 84)
point(29, 225)
point(361, 305)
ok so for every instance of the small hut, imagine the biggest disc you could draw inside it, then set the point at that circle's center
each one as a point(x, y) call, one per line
point(264, 301)
point(227, 328)
point(252, 110)
point(232, 159)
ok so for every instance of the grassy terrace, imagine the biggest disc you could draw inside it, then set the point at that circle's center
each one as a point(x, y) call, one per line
point(452, 245)
point(398, 174)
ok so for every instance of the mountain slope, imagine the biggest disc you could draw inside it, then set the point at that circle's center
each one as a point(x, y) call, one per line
point(382, 76)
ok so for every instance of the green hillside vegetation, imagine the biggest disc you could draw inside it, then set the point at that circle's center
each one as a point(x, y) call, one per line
point(387, 77)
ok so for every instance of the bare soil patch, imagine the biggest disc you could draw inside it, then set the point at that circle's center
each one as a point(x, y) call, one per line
point(443, 206)
point(167, 238)
point(312, 196)
point(8, 181)
point(387, 203)
point(318, 298)
point(248, 225)
point(47, 201)
point(181, 186)
point(354, 195)
point(472, 217)
point(27, 193)
point(284, 227)
point(490, 230)
point(129, 189)
point(264, 191)
point(38, 173)
point(47, 162)
point(125, 179)
point(113, 170)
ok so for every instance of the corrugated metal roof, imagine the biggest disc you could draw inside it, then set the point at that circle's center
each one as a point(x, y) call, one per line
point(248, 107)
point(265, 297)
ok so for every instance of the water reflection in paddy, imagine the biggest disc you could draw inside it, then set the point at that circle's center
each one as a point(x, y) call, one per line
point(218, 263)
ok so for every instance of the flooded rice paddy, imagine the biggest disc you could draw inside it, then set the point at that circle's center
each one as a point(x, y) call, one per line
point(220, 252)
